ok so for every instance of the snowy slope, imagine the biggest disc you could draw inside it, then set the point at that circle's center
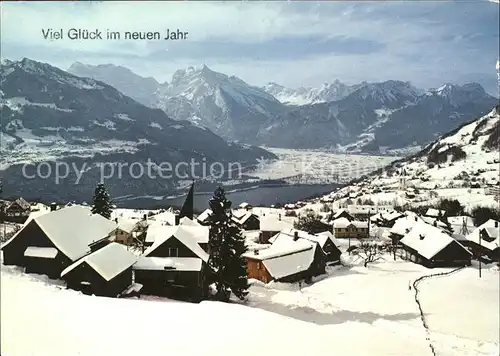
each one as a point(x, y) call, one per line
point(359, 310)
point(460, 165)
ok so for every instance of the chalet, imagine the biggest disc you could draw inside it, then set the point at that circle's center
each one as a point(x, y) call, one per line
point(124, 231)
point(385, 219)
point(432, 247)
point(17, 211)
point(485, 240)
point(105, 272)
point(246, 221)
point(344, 228)
point(403, 226)
point(365, 211)
point(271, 224)
point(325, 241)
point(342, 213)
point(50, 242)
point(176, 262)
point(285, 262)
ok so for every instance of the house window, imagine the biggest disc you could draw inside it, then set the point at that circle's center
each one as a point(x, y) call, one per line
point(173, 252)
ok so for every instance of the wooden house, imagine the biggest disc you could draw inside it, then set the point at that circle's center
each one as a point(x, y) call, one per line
point(271, 224)
point(17, 211)
point(105, 272)
point(342, 213)
point(432, 247)
point(247, 220)
point(485, 240)
point(386, 219)
point(403, 226)
point(124, 232)
point(286, 261)
point(50, 242)
point(176, 262)
point(344, 228)
point(324, 240)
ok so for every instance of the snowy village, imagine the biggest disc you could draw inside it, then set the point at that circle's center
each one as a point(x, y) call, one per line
point(291, 178)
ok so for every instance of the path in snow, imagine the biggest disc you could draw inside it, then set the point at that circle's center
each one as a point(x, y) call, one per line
point(417, 300)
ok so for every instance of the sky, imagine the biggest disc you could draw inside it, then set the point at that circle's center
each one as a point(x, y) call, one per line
point(291, 43)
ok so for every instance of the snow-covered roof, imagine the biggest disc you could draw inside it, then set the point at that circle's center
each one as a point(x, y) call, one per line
point(339, 212)
point(190, 236)
point(187, 221)
point(403, 225)
point(166, 263)
point(341, 223)
point(287, 265)
point(166, 217)
point(492, 231)
point(204, 216)
point(272, 222)
point(126, 225)
point(428, 240)
point(40, 252)
point(244, 205)
point(158, 230)
point(363, 209)
point(73, 229)
point(360, 224)
point(434, 212)
point(108, 261)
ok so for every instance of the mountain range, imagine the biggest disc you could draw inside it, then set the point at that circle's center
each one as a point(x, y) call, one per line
point(51, 116)
point(365, 117)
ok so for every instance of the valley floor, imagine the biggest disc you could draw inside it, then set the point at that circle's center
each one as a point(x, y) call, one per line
point(351, 311)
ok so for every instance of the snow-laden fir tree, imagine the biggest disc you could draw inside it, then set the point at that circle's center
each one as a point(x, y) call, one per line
point(227, 246)
point(101, 204)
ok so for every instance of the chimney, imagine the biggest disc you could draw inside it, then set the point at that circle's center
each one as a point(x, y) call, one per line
point(279, 217)
point(53, 207)
point(496, 223)
point(116, 220)
point(145, 217)
point(177, 219)
point(295, 235)
point(435, 223)
point(256, 251)
point(416, 218)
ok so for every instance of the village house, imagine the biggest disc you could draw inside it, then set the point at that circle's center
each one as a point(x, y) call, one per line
point(403, 226)
point(271, 224)
point(124, 232)
point(50, 242)
point(176, 262)
point(485, 240)
point(105, 272)
point(432, 247)
point(17, 211)
point(246, 220)
point(363, 212)
point(342, 213)
point(385, 219)
point(285, 261)
point(344, 228)
point(325, 241)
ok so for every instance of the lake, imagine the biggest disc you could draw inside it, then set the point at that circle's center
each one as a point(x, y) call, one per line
point(260, 196)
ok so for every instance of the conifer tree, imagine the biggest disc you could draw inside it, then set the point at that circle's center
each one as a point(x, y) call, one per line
point(227, 246)
point(101, 204)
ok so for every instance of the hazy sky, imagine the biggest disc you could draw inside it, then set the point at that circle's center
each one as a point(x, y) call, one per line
point(291, 43)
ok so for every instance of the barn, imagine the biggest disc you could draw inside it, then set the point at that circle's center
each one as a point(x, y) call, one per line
point(175, 264)
point(105, 272)
point(50, 242)
point(432, 247)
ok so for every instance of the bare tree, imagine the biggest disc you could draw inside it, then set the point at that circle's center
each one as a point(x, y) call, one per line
point(368, 251)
